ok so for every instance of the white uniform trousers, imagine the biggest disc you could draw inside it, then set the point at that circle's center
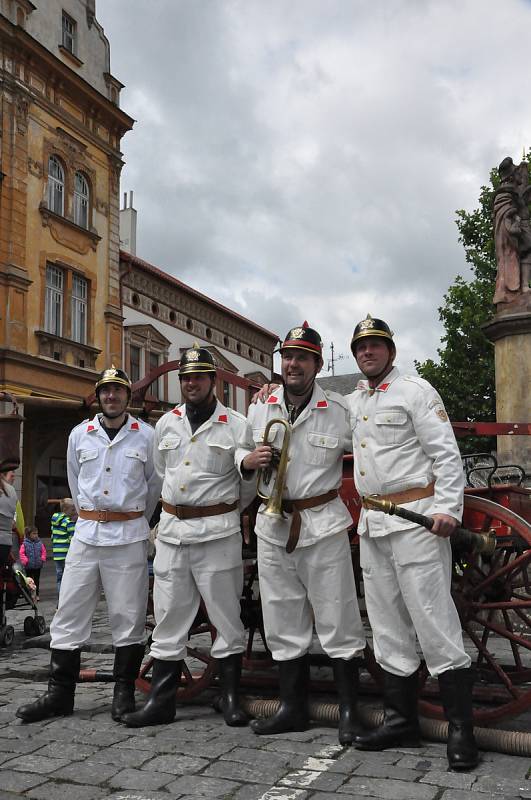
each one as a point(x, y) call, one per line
point(185, 573)
point(407, 578)
point(122, 571)
point(318, 577)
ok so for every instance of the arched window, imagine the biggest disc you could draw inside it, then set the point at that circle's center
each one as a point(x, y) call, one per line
point(56, 186)
point(81, 200)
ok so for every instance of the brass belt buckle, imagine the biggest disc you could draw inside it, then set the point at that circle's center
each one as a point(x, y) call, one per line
point(102, 515)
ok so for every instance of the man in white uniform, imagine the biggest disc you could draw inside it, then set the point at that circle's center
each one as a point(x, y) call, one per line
point(405, 451)
point(115, 489)
point(199, 546)
point(304, 560)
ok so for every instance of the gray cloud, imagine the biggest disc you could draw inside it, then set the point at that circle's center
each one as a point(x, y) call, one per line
point(304, 159)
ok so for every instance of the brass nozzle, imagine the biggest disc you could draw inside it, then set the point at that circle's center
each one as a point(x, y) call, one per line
point(375, 503)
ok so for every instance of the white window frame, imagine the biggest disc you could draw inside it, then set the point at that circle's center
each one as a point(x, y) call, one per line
point(68, 33)
point(81, 200)
point(79, 308)
point(54, 300)
point(56, 186)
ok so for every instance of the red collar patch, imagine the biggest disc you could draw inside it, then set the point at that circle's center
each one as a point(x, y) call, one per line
point(272, 399)
point(135, 426)
point(383, 387)
point(90, 428)
point(176, 412)
point(223, 418)
point(321, 404)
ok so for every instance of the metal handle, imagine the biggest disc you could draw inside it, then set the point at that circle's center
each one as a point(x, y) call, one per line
point(463, 538)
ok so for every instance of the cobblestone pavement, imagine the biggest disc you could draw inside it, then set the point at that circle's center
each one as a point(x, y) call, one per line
point(88, 756)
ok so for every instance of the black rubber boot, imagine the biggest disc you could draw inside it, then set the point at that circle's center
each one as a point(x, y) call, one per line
point(162, 701)
point(59, 699)
point(127, 662)
point(346, 676)
point(292, 714)
point(400, 727)
point(456, 694)
point(230, 669)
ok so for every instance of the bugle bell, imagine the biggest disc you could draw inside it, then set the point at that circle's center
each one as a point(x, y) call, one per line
point(273, 500)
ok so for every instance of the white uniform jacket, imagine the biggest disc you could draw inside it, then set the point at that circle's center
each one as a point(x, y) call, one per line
point(319, 437)
point(402, 439)
point(116, 476)
point(199, 470)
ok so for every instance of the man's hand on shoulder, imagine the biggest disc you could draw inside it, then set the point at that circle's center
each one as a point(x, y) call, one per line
point(444, 525)
point(263, 393)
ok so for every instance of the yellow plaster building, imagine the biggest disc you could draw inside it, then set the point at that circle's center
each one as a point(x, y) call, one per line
point(60, 306)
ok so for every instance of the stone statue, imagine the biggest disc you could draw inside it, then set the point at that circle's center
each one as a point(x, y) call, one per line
point(512, 233)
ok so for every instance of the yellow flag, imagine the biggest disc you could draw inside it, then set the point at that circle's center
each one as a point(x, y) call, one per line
point(19, 520)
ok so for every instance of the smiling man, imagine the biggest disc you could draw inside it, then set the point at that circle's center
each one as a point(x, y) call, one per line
point(115, 489)
point(405, 451)
point(304, 558)
point(199, 548)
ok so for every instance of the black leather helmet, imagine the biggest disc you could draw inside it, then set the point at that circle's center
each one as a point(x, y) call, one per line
point(371, 327)
point(197, 359)
point(303, 338)
point(113, 375)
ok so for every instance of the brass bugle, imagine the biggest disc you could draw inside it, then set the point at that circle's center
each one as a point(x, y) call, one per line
point(273, 501)
point(467, 540)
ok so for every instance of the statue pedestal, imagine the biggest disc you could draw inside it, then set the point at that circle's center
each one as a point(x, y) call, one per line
point(510, 333)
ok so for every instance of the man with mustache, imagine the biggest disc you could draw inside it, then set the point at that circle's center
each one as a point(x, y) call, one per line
point(304, 560)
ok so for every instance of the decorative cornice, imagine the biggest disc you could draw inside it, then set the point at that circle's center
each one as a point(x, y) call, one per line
point(503, 325)
point(56, 73)
point(55, 110)
point(203, 318)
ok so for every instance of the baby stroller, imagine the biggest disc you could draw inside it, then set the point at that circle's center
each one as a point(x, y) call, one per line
point(14, 587)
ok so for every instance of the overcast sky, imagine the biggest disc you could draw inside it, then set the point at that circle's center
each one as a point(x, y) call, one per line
point(303, 159)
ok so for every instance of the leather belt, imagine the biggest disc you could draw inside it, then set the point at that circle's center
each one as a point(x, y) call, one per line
point(110, 516)
point(296, 506)
point(193, 512)
point(409, 495)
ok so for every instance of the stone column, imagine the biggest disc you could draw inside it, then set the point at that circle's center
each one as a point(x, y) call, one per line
point(510, 333)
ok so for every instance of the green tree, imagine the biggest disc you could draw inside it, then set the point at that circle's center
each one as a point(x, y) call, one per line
point(464, 373)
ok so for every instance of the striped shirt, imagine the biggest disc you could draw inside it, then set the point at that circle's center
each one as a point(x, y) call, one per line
point(62, 532)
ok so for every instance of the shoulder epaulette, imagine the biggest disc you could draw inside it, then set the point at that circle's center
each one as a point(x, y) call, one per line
point(335, 397)
point(81, 424)
point(417, 380)
point(237, 414)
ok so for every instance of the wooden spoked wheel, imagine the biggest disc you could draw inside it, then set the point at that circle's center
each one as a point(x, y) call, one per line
point(493, 598)
point(199, 667)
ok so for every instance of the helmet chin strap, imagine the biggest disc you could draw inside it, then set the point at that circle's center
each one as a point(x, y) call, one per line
point(374, 380)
